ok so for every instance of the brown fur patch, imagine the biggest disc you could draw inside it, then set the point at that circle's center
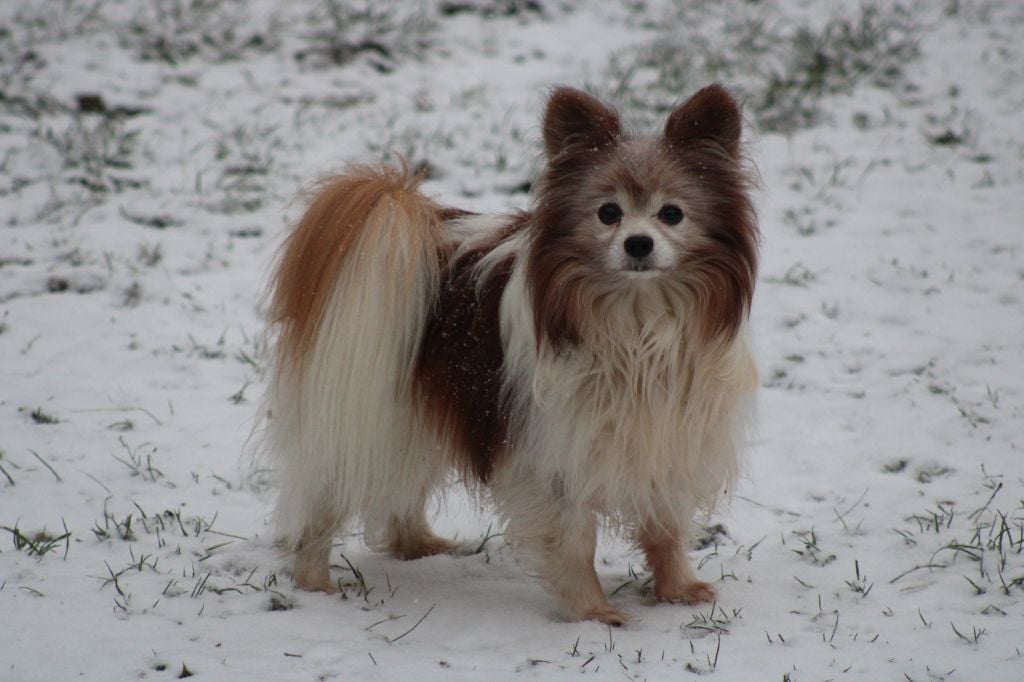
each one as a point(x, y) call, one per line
point(703, 136)
point(710, 115)
point(557, 272)
point(459, 369)
point(574, 119)
point(449, 213)
point(579, 132)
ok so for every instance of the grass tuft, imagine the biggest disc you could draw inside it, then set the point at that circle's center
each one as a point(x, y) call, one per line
point(381, 33)
point(95, 154)
point(872, 45)
point(39, 543)
point(175, 31)
point(809, 549)
point(859, 585)
point(714, 621)
point(783, 70)
point(989, 538)
point(973, 638)
point(245, 155)
point(139, 460)
point(39, 416)
point(7, 475)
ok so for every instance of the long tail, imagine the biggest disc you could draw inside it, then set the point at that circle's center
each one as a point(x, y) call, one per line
point(351, 293)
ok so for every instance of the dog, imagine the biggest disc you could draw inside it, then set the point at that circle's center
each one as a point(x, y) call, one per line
point(585, 362)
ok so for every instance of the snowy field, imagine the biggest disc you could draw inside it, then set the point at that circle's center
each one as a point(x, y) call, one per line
point(150, 157)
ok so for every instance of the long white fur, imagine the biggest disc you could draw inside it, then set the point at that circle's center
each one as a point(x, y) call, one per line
point(344, 429)
point(641, 423)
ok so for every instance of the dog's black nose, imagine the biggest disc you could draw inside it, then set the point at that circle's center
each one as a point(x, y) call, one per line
point(638, 245)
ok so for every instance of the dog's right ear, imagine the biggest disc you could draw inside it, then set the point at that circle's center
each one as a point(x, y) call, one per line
point(711, 114)
point(575, 118)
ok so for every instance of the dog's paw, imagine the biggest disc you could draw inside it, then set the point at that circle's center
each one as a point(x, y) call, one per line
point(427, 545)
point(312, 573)
point(317, 584)
point(693, 592)
point(607, 614)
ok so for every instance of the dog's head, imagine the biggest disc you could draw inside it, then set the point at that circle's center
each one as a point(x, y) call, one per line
point(616, 211)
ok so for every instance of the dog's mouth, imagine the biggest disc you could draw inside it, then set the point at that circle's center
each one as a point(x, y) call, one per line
point(632, 267)
point(641, 271)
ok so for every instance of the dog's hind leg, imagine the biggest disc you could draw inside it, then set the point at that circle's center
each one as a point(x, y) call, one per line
point(409, 535)
point(312, 556)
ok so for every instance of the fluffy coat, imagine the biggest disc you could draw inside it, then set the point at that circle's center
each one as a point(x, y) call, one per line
point(585, 361)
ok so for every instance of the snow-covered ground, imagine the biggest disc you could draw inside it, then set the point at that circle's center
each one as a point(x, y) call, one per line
point(150, 153)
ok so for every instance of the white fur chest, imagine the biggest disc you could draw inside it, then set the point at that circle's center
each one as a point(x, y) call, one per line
point(637, 422)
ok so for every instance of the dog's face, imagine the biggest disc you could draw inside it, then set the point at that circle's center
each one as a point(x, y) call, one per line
point(616, 210)
point(635, 215)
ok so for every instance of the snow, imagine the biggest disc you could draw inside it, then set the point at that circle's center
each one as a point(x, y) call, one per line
point(877, 534)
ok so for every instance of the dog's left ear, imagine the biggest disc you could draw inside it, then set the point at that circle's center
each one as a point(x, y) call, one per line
point(711, 114)
point(574, 117)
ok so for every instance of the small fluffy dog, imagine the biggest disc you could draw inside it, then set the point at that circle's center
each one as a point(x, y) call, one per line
point(588, 359)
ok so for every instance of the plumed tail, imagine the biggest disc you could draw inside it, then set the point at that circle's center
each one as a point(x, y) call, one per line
point(354, 284)
point(368, 216)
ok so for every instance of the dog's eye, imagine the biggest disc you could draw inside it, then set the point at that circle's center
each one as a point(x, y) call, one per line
point(609, 213)
point(670, 214)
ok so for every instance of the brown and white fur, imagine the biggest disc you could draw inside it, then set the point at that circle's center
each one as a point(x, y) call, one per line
point(581, 369)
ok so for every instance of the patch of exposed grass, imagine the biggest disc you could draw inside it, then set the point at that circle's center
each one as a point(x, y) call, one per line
point(872, 45)
point(989, 537)
point(191, 544)
point(810, 550)
point(955, 128)
point(413, 145)
point(245, 158)
point(40, 416)
point(19, 65)
point(39, 543)
point(492, 8)
point(30, 27)
point(382, 33)
point(158, 221)
point(3, 470)
point(58, 19)
point(782, 68)
point(139, 460)
point(713, 621)
point(96, 154)
point(175, 31)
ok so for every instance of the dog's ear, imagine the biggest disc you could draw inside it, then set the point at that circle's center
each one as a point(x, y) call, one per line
point(711, 114)
point(575, 118)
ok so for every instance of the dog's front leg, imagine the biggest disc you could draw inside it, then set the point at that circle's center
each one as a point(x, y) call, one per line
point(567, 567)
point(557, 537)
point(674, 578)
